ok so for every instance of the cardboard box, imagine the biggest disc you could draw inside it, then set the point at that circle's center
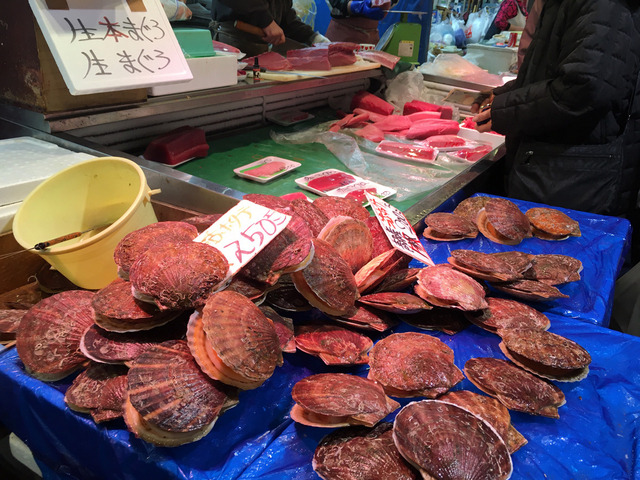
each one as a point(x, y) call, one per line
point(30, 77)
point(208, 72)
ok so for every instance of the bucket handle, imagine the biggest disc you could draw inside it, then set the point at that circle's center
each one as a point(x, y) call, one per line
point(147, 197)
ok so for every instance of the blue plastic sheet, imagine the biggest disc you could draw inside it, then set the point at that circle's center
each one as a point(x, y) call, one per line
point(595, 437)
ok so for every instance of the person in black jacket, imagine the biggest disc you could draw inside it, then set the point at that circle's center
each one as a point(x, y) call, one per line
point(275, 22)
point(572, 115)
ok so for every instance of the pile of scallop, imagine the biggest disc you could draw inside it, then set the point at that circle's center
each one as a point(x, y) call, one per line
point(169, 345)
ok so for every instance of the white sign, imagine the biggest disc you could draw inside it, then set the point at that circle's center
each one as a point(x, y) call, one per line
point(243, 231)
point(398, 230)
point(109, 45)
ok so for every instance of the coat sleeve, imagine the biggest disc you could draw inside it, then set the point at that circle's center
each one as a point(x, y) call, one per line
point(587, 77)
point(294, 27)
point(255, 12)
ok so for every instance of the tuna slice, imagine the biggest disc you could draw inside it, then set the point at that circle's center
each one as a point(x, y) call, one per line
point(448, 227)
point(415, 106)
point(554, 269)
point(270, 61)
point(432, 434)
point(530, 290)
point(309, 59)
point(100, 390)
point(266, 169)
point(283, 327)
point(103, 346)
point(491, 411)
point(311, 214)
point(331, 182)
point(514, 387)
point(545, 354)
point(361, 453)
point(233, 341)
point(503, 313)
point(176, 277)
point(339, 400)
point(443, 286)
point(48, 338)
point(395, 302)
point(470, 207)
point(134, 244)
point(427, 128)
point(378, 56)
point(483, 266)
point(413, 365)
point(9, 323)
point(472, 154)
point(327, 283)
point(447, 320)
point(446, 141)
point(117, 310)
point(367, 318)
point(368, 101)
point(394, 123)
point(334, 345)
point(407, 151)
point(170, 401)
point(501, 221)
point(350, 238)
point(371, 133)
point(552, 224)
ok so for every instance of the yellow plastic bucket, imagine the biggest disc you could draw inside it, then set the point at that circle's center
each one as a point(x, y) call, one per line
point(104, 191)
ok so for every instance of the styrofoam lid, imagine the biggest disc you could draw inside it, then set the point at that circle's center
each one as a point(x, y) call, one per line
point(25, 162)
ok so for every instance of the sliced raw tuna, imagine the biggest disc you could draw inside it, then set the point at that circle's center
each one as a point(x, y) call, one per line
point(270, 61)
point(445, 141)
point(417, 116)
point(419, 106)
point(472, 154)
point(427, 128)
point(331, 182)
point(295, 196)
point(373, 116)
point(309, 59)
point(371, 132)
point(394, 123)
point(369, 101)
point(408, 151)
point(266, 169)
point(383, 58)
point(359, 195)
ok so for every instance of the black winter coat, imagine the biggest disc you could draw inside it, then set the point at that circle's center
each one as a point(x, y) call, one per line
point(565, 113)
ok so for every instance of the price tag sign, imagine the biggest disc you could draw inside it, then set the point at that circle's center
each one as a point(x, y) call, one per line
point(398, 230)
point(109, 45)
point(243, 231)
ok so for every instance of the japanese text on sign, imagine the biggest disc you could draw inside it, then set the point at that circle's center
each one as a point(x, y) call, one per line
point(243, 231)
point(398, 230)
point(106, 48)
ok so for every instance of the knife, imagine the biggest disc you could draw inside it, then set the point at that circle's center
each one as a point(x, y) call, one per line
point(284, 72)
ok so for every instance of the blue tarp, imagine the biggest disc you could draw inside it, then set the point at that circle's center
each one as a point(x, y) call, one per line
point(595, 437)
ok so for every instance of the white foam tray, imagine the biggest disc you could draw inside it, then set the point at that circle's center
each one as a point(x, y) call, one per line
point(25, 162)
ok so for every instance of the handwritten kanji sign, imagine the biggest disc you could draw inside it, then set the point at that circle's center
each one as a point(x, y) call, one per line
point(107, 45)
point(398, 230)
point(243, 231)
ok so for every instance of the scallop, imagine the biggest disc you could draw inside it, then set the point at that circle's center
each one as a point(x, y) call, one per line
point(234, 342)
point(48, 338)
point(483, 266)
point(310, 214)
point(351, 238)
point(178, 277)
point(505, 313)
point(9, 323)
point(443, 286)
point(552, 224)
point(327, 282)
point(554, 269)
point(447, 320)
point(395, 302)
point(337, 206)
point(333, 345)
point(501, 221)
point(339, 399)
point(361, 453)
point(375, 270)
point(170, 401)
point(398, 281)
point(530, 290)
point(447, 442)
point(470, 207)
point(204, 221)
point(413, 364)
point(137, 242)
point(367, 318)
point(117, 310)
point(444, 226)
point(545, 354)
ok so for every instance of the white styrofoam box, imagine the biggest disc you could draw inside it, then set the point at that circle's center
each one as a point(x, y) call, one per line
point(494, 139)
point(7, 212)
point(208, 72)
point(25, 162)
point(493, 59)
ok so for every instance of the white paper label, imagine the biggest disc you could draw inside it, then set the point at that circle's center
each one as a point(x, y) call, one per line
point(398, 230)
point(243, 231)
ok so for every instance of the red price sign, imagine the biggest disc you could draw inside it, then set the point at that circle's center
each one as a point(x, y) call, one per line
point(243, 231)
point(398, 230)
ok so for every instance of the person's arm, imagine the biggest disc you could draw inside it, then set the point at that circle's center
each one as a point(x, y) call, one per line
point(356, 8)
point(587, 75)
point(508, 9)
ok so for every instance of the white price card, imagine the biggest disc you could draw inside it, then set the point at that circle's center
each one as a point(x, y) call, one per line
point(243, 231)
point(110, 45)
point(398, 230)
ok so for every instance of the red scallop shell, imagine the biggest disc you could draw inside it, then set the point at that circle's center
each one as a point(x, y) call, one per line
point(443, 286)
point(337, 206)
point(350, 238)
point(504, 313)
point(310, 214)
point(334, 345)
point(470, 207)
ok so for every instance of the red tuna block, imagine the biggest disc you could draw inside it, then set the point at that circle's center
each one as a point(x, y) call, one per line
point(373, 116)
point(177, 146)
point(309, 59)
point(414, 106)
point(270, 61)
point(383, 58)
point(340, 53)
point(416, 117)
point(369, 101)
point(394, 123)
point(371, 132)
point(428, 128)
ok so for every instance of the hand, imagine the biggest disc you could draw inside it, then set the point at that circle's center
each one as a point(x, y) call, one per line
point(364, 8)
point(483, 116)
point(273, 34)
point(483, 98)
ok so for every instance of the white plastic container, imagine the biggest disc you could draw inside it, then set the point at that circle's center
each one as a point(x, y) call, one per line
point(208, 72)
